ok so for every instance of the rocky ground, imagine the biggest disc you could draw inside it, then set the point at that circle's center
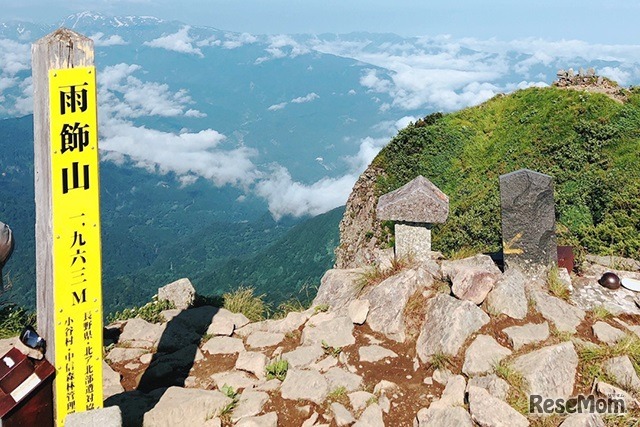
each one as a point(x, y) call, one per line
point(430, 343)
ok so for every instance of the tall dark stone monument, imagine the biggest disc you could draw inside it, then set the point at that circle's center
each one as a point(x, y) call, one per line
point(528, 221)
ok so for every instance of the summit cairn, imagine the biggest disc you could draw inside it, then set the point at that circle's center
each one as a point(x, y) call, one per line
point(414, 207)
point(528, 221)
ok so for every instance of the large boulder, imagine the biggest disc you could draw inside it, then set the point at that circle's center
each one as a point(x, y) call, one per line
point(448, 323)
point(549, 372)
point(338, 288)
point(305, 384)
point(482, 356)
point(489, 411)
point(389, 299)
point(185, 407)
point(472, 278)
point(508, 295)
point(181, 293)
point(564, 316)
point(337, 332)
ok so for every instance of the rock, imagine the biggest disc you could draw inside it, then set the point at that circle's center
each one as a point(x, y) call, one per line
point(307, 385)
point(185, 406)
point(508, 295)
point(360, 399)
point(291, 323)
point(448, 323)
point(325, 364)
point(234, 379)
point(336, 333)
point(303, 356)
point(253, 362)
point(531, 333)
point(455, 416)
point(181, 293)
point(607, 333)
point(371, 417)
point(564, 316)
point(261, 339)
point(213, 422)
point(565, 278)
point(583, 420)
point(495, 386)
point(482, 355)
point(442, 375)
point(338, 288)
point(146, 358)
point(270, 385)
point(223, 345)
point(472, 278)
point(614, 393)
point(139, 333)
point(549, 372)
point(170, 314)
point(384, 387)
point(617, 262)
point(389, 299)
point(338, 377)
point(341, 415)
point(589, 294)
point(105, 417)
point(489, 411)
point(225, 322)
point(7, 344)
point(412, 240)
point(110, 382)
point(169, 369)
point(374, 353)
point(266, 420)
point(249, 404)
point(321, 317)
point(624, 373)
point(358, 311)
point(176, 336)
point(453, 393)
point(528, 221)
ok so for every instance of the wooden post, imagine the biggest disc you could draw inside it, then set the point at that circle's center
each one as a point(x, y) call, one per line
point(61, 49)
point(68, 256)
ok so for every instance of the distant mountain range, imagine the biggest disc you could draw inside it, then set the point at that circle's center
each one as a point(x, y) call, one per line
point(214, 143)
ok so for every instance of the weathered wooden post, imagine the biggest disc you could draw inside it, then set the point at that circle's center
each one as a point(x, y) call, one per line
point(68, 254)
point(414, 207)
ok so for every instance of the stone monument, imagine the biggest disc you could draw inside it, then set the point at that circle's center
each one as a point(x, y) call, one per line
point(6, 247)
point(528, 221)
point(414, 208)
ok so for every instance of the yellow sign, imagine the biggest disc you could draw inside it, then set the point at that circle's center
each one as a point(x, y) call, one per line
point(77, 270)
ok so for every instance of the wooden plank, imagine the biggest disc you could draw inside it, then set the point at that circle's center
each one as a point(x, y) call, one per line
point(59, 50)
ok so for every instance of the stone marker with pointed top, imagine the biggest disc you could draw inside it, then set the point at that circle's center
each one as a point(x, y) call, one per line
point(528, 221)
point(414, 207)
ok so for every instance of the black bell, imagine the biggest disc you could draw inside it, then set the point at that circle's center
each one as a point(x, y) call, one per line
point(610, 280)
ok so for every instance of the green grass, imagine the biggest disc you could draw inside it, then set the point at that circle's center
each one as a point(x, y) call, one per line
point(592, 358)
point(243, 300)
point(338, 394)
point(517, 396)
point(277, 369)
point(149, 312)
point(440, 361)
point(376, 274)
point(555, 285)
point(587, 142)
point(13, 319)
point(331, 351)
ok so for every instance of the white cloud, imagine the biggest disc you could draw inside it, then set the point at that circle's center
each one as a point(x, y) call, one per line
point(276, 107)
point(307, 98)
point(177, 42)
point(210, 41)
point(186, 154)
point(288, 197)
point(282, 46)
point(113, 40)
point(234, 41)
point(123, 95)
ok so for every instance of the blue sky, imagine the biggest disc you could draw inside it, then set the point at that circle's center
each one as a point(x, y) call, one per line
point(612, 22)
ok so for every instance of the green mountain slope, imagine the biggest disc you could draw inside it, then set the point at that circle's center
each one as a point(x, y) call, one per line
point(589, 143)
point(290, 268)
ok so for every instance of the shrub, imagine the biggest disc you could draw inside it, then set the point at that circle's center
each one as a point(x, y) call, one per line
point(149, 312)
point(13, 319)
point(277, 369)
point(242, 300)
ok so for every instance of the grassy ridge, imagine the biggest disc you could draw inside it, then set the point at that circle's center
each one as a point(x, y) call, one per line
point(588, 142)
